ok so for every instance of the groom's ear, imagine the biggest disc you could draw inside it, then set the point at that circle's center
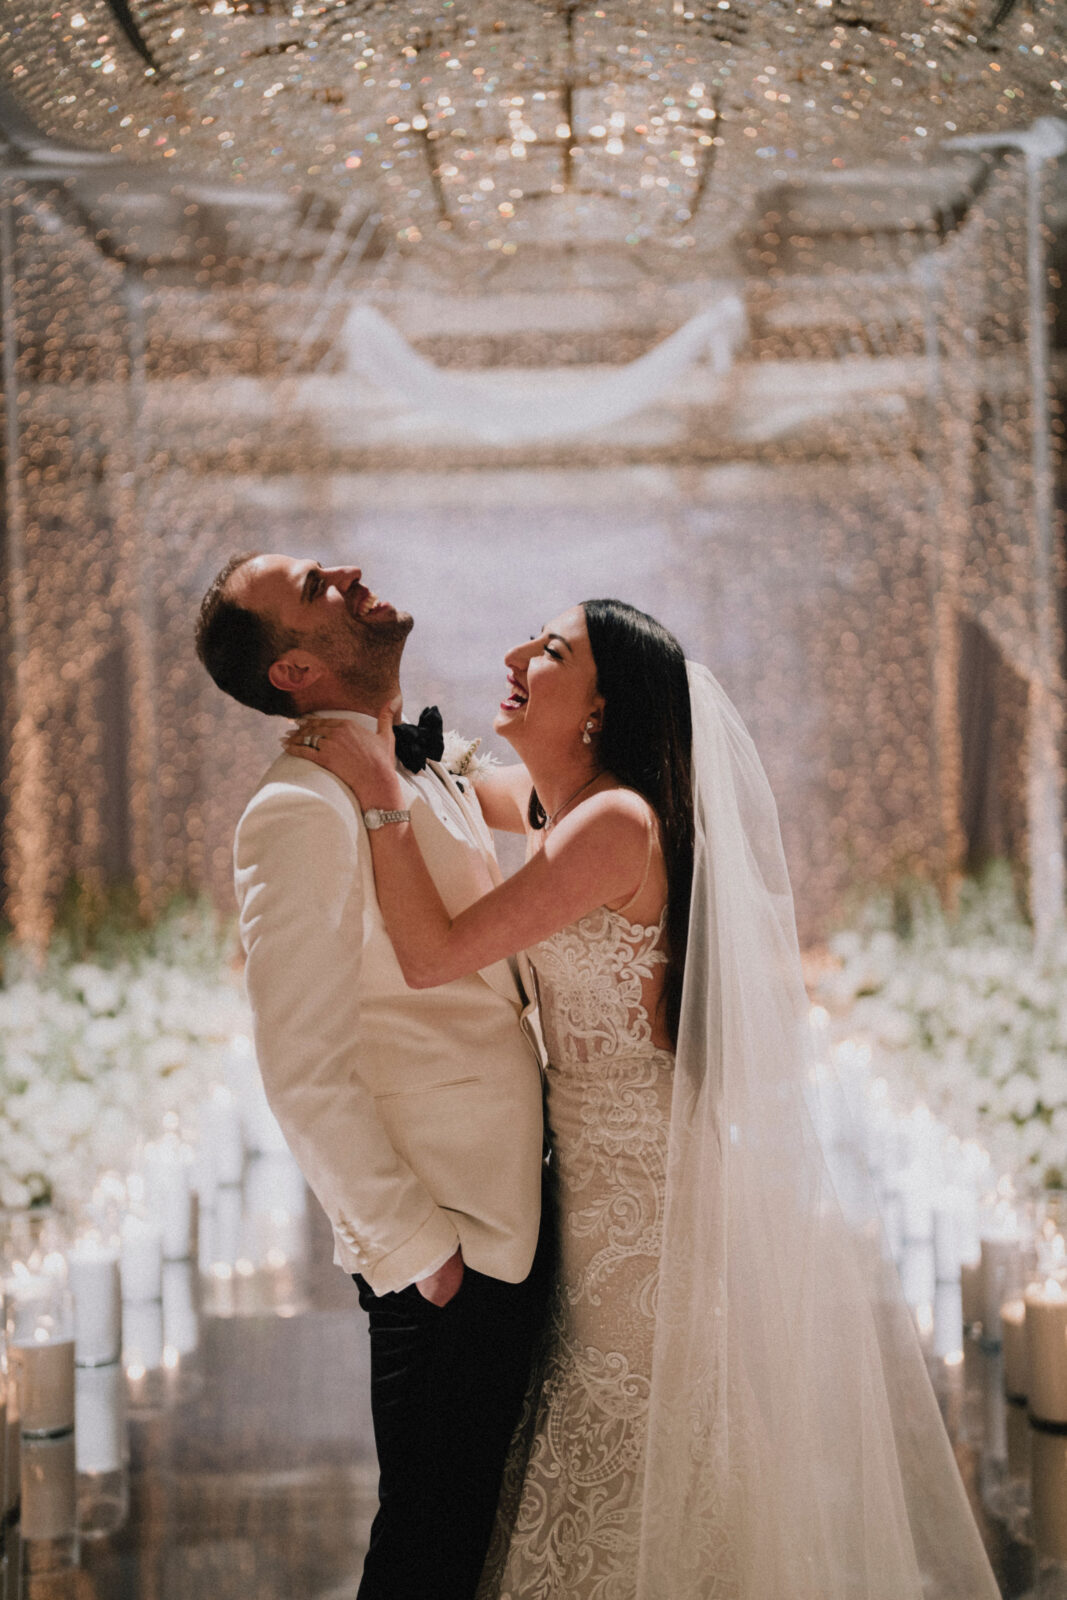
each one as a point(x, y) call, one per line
point(295, 671)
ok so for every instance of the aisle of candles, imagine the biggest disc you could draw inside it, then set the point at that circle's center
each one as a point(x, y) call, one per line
point(984, 1270)
point(102, 1308)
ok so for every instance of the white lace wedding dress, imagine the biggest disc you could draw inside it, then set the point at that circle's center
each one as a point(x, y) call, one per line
point(609, 1099)
point(734, 1403)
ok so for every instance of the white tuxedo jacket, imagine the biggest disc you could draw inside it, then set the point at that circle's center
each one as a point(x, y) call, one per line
point(415, 1115)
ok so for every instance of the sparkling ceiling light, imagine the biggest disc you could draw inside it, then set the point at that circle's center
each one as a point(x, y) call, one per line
point(502, 121)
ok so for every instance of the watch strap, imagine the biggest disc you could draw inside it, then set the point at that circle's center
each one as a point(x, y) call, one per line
point(375, 817)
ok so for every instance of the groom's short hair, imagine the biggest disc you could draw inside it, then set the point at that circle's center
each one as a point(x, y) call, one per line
point(238, 646)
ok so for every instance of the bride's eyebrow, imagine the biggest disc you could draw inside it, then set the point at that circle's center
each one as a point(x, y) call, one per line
point(562, 641)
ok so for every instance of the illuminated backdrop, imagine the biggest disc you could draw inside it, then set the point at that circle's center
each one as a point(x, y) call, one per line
point(859, 516)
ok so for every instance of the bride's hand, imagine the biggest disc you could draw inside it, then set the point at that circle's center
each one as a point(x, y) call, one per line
point(365, 761)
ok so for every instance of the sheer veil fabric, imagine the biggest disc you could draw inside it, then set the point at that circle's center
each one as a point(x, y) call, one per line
point(795, 1450)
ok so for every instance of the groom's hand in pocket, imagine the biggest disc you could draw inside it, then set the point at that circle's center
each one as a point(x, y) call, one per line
point(442, 1285)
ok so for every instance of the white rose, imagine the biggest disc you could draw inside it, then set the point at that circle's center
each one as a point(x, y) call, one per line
point(847, 944)
point(14, 1193)
point(1018, 1096)
point(102, 1035)
point(165, 1053)
point(74, 1109)
point(101, 990)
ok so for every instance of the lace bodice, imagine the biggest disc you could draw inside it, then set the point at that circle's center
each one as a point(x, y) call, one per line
point(598, 983)
point(575, 1483)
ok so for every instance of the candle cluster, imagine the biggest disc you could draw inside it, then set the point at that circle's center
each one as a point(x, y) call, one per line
point(984, 1268)
point(102, 1306)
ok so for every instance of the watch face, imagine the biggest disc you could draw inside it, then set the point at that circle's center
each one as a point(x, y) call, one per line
point(373, 817)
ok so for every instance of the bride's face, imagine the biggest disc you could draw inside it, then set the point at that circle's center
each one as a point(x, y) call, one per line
point(552, 684)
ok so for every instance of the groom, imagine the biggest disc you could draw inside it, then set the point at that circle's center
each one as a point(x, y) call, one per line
point(415, 1115)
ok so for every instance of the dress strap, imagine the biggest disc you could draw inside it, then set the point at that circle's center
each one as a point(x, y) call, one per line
point(621, 910)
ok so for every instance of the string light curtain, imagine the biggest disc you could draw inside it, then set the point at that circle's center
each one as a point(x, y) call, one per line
point(158, 396)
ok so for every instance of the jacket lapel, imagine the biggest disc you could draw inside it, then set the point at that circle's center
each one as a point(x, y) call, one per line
point(468, 817)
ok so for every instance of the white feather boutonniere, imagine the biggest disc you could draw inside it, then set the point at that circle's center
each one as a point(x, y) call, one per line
point(461, 758)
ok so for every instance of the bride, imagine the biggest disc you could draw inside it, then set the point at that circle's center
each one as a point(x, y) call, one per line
point(734, 1405)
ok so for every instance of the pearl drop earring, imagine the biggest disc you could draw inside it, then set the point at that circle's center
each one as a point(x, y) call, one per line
point(585, 735)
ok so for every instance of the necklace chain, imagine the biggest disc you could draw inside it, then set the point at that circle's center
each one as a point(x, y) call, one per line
point(571, 797)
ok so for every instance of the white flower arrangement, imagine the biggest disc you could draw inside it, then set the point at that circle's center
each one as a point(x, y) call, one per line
point(94, 1053)
point(966, 1013)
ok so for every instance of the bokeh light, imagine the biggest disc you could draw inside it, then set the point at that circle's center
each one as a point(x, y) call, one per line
point(857, 527)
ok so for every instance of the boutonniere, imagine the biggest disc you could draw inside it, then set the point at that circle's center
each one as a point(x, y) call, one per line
point(460, 757)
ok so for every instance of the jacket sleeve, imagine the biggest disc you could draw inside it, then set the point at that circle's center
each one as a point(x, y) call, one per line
point(299, 889)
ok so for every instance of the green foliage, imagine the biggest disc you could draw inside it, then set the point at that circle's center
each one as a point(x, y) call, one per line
point(107, 926)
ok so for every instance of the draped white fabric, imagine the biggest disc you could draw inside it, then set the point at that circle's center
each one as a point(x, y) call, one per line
point(795, 1446)
point(540, 407)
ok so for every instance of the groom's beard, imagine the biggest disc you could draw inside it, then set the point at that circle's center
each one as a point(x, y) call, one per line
point(367, 659)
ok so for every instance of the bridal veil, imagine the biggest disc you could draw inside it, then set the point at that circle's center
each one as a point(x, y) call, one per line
point(795, 1449)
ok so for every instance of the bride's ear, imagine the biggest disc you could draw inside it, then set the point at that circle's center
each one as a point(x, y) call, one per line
point(294, 671)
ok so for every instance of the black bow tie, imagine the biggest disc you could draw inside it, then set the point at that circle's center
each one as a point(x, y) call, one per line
point(417, 743)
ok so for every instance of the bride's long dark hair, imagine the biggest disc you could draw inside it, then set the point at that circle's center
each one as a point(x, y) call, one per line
point(645, 741)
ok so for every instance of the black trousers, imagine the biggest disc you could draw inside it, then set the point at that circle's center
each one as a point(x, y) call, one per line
point(447, 1384)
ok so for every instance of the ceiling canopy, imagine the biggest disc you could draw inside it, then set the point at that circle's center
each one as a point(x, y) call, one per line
point(494, 124)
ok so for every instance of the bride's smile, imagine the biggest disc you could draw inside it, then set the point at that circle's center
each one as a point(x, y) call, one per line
point(552, 685)
point(516, 698)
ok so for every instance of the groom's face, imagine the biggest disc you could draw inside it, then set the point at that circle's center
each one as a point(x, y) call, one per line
point(328, 612)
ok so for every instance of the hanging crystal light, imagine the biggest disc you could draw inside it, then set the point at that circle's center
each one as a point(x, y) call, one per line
point(501, 121)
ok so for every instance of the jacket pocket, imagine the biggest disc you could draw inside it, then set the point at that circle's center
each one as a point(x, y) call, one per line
point(427, 1088)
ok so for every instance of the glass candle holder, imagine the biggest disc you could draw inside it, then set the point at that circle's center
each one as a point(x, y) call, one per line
point(9, 1440)
point(32, 1236)
point(40, 1342)
point(49, 1522)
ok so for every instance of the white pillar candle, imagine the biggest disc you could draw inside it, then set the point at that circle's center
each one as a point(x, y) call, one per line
point(141, 1259)
point(275, 1202)
point(142, 1337)
point(1046, 1350)
point(100, 1418)
point(1013, 1332)
point(181, 1328)
point(1048, 1492)
point(917, 1194)
point(917, 1275)
point(955, 1230)
point(49, 1489)
point(93, 1276)
point(227, 1240)
point(893, 1220)
point(168, 1194)
point(1003, 1277)
point(202, 1178)
point(971, 1294)
point(948, 1323)
point(275, 1182)
point(220, 1133)
point(205, 1238)
point(262, 1135)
